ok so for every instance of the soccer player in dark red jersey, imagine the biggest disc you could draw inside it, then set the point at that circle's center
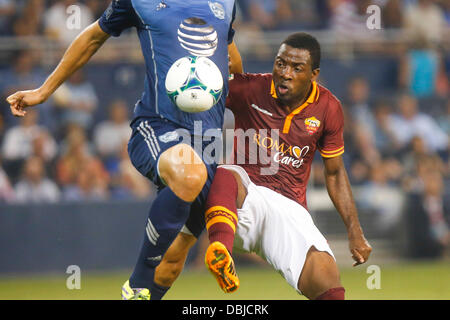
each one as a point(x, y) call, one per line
point(308, 117)
point(289, 116)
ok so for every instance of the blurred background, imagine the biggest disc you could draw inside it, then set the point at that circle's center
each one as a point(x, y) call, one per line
point(70, 196)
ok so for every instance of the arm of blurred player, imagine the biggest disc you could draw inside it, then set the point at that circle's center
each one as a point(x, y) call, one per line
point(235, 60)
point(340, 192)
point(76, 56)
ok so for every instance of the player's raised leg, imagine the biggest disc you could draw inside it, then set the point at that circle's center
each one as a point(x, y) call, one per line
point(185, 174)
point(221, 221)
point(320, 277)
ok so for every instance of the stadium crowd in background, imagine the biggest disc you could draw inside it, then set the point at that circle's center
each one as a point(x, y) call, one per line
point(395, 145)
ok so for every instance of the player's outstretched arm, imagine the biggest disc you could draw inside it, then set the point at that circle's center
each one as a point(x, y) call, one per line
point(340, 192)
point(77, 55)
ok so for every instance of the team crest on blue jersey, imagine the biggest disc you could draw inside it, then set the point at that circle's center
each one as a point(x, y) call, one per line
point(217, 9)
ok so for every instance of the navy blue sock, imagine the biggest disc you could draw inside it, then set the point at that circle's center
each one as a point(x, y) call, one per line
point(167, 216)
point(158, 291)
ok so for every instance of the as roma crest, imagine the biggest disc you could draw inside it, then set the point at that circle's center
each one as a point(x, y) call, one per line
point(312, 125)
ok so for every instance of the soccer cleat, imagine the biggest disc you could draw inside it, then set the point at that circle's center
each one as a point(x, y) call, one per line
point(134, 294)
point(219, 261)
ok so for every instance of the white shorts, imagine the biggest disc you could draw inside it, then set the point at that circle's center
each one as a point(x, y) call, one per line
point(278, 229)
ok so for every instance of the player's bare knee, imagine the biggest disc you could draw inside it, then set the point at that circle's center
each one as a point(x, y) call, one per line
point(189, 184)
point(183, 171)
point(320, 273)
point(196, 177)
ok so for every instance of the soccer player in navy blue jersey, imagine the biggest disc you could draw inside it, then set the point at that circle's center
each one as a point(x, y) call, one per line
point(168, 30)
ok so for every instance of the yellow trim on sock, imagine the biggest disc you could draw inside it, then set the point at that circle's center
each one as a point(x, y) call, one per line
point(223, 219)
point(220, 208)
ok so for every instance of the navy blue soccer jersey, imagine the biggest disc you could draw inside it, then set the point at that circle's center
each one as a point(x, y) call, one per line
point(169, 30)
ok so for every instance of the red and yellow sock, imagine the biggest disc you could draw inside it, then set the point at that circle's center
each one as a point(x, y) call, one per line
point(221, 214)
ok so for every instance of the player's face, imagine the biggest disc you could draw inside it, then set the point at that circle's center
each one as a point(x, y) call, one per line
point(293, 74)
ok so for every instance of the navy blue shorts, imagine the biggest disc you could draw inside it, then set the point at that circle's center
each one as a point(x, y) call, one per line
point(151, 137)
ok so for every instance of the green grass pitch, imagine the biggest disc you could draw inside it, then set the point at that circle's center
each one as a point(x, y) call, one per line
point(424, 280)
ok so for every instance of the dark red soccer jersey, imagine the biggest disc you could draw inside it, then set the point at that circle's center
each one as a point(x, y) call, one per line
point(276, 147)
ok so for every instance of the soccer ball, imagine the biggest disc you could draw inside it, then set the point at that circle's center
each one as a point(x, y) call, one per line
point(194, 84)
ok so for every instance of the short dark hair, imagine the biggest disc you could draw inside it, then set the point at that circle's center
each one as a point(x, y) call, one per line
point(303, 40)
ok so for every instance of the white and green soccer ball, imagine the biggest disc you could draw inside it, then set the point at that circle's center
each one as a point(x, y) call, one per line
point(194, 84)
